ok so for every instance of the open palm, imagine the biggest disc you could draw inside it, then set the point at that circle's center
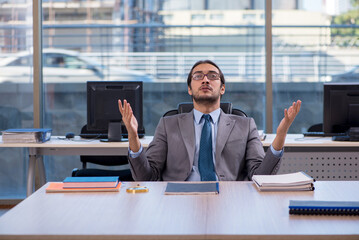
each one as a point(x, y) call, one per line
point(289, 116)
point(128, 118)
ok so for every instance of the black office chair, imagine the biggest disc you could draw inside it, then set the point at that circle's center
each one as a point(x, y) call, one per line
point(316, 128)
point(124, 175)
point(185, 107)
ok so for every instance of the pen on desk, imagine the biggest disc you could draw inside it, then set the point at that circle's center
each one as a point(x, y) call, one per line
point(264, 137)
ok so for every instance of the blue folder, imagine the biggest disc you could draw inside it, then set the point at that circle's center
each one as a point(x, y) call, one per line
point(41, 134)
point(314, 207)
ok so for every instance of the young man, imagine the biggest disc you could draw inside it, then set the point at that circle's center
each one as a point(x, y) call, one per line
point(205, 144)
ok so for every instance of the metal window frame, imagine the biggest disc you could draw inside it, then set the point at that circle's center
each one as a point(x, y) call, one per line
point(269, 89)
point(38, 83)
point(37, 63)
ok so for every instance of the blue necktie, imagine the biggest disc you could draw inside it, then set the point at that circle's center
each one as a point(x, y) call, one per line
point(205, 159)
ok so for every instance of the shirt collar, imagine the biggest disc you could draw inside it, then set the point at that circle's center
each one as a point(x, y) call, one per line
point(214, 115)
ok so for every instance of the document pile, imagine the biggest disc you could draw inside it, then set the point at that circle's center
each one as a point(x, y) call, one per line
point(298, 181)
point(90, 182)
point(26, 135)
point(86, 184)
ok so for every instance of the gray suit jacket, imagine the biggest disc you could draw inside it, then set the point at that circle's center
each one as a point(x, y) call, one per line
point(170, 156)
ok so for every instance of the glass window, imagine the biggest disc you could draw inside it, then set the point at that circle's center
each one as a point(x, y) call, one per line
point(158, 42)
point(154, 42)
point(16, 93)
point(311, 45)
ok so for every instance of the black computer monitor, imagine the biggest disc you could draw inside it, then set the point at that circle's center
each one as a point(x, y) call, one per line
point(341, 107)
point(103, 114)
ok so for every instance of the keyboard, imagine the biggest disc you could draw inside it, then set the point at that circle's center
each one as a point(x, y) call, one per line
point(314, 134)
point(321, 134)
point(94, 135)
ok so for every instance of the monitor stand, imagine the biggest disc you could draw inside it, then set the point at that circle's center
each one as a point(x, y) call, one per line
point(114, 133)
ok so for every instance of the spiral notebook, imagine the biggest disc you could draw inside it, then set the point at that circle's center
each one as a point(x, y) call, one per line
point(323, 207)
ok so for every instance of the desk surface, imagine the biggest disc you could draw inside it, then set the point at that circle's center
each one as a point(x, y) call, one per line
point(240, 211)
point(292, 140)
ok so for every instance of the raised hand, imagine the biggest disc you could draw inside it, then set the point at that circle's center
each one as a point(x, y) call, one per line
point(289, 116)
point(127, 117)
point(131, 125)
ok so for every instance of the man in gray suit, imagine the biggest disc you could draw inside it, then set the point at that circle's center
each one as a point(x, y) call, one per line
point(232, 151)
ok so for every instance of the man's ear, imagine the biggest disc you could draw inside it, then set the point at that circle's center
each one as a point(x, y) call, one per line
point(189, 90)
point(223, 89)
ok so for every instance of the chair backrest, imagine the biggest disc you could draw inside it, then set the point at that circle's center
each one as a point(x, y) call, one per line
point(171, 112)
point(185, 107)
point(238, 112)
point(316, 128)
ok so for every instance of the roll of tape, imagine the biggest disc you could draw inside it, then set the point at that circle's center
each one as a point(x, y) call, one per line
point(137, 189)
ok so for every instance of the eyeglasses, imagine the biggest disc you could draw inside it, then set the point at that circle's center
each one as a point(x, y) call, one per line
point(210, 76)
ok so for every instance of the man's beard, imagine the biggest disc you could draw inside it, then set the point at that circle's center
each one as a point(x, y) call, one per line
point(206, 100)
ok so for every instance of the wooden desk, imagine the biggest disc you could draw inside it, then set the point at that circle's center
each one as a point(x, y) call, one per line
point(240, 211)
point(296, 157)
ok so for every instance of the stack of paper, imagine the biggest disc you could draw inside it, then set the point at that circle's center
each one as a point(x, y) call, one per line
point(26, 135)
point(90, 182)
point(298, 181)
point(86, 184)
point(56, 187)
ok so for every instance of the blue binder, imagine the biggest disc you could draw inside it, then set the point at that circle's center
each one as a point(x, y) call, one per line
point(313, 207)
point(38, 134)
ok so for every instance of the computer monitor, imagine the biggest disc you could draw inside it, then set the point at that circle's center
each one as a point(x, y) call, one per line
point(341, 107)
point(103, 114)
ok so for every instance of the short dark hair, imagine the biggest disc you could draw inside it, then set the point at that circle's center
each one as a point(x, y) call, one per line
point(189, 78)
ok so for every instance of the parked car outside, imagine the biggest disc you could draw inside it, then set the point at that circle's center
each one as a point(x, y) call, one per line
point(64, 66)
point(349, 76)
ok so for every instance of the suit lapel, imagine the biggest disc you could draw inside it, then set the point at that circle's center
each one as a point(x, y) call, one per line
point(186, 125)
point(225, 126)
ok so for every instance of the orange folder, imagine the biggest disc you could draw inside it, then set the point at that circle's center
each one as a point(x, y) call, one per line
point(55, 187)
